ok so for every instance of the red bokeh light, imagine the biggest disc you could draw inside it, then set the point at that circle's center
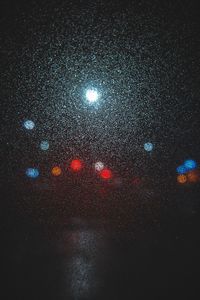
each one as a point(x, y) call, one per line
point(136, 181)
point(76, 165)
point(106, 174)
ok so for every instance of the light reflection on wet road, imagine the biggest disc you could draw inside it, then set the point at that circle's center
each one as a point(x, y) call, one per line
point(85, 253)
point(89, 260)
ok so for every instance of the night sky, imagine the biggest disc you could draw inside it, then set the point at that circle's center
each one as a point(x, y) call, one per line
point(142, 59)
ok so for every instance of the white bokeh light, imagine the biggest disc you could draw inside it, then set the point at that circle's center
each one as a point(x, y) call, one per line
point(92, 95)
point(98, 166)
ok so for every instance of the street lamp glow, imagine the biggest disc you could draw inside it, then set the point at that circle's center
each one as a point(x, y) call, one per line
point(92, 95)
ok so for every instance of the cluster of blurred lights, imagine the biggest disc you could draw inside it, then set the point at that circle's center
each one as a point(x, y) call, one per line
point(187, 172)
point(76, 165)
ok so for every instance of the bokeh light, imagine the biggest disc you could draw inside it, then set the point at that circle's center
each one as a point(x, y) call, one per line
point(44, 145)
point(92, 95)
point(136, 181)
point(190, 164)
point(118, 182)
point(106, 174)
point(148, 147)
point(28, 124)
point(56, 171)
point(76, 165)
point(182, 179)
point(193, 176)
point(32, 172)
point(98, 166)
point(181, 169)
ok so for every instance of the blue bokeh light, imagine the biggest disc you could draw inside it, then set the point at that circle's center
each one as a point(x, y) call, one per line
point(44, 145)
point(28, 124)
point(181, 169)
point(148, 147)
point(32, 172)
point(190, 164)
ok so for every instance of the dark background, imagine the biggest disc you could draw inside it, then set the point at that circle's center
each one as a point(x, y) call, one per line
point(144, 59)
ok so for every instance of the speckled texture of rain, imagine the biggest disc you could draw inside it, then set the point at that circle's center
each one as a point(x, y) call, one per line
point(100, 149)
point(140, 57)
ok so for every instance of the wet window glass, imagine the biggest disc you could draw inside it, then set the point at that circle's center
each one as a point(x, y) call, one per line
point(100, 142)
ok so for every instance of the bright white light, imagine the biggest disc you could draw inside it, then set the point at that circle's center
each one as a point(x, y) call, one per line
point(44, 145)
point(29, 124)
point(99, 166)
point(92, 96)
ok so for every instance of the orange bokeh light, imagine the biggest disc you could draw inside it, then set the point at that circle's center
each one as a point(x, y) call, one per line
point(56, 171)
point(181, 179)
point(193, 176)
